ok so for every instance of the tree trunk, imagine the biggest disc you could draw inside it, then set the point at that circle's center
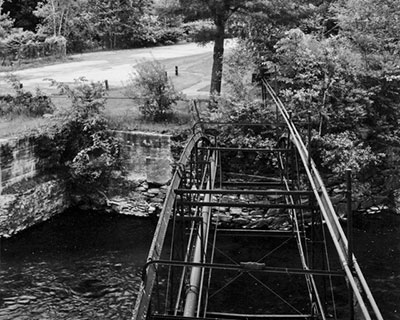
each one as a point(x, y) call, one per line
point(216, 73)
point(54, 18)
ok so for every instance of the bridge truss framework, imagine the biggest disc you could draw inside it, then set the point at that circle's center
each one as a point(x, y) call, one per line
point(199, 268)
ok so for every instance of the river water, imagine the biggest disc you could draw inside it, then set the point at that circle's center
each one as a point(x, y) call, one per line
point(82, 265)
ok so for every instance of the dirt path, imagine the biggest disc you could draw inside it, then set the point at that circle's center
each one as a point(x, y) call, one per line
point(115, 67)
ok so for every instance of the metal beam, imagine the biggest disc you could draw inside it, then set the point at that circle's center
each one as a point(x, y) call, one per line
point(243, 205)
point(229, 315)
point(246, 191)
point(254, 183)
point(243, 266)
point(255, 233)
point(232, 316)
point(247, 149)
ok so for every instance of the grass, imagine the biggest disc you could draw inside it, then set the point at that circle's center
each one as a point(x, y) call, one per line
point(21, 125)
point(122, 115)
point(126, 116)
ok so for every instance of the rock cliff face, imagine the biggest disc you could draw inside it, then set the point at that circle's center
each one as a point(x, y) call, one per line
point(30, 194)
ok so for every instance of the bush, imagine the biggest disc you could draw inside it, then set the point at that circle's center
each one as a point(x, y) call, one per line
point(201, 31)
point(28, 45)
point(345, 151)
point(169, 36)
point(24, 102)
point(151, 84)
point(90, 151)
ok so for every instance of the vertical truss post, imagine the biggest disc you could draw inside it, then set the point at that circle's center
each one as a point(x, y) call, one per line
point(349, 237)
point(276, 91)
point(309, 139)
point(191, 170)
point(196, 165)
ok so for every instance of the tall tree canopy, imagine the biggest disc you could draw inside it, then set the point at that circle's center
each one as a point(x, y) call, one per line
point(241, 17)
point(220, 12)
point(22, 13)
point(6, 23)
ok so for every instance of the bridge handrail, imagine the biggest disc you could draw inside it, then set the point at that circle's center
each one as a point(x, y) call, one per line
point(146, 286)
point(338, 236)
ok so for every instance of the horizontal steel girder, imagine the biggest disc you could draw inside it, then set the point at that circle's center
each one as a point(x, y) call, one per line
point(244, 267)
point(273, 192)
point(243, 205)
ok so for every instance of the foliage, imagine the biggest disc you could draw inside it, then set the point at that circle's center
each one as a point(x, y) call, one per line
point(6, 23)
point(21, 11)
point(28, 45)
point(168, 12)
point(55, 16)
point(90, 152)
point(238, 113)
point(238, 68)
point(167, 36)
point(345, 151)
point(220, 13)
point(24, 102)
point(263, 26)
point(201, 31)
point(151, 84)
point(370, 24)
point(324, 76)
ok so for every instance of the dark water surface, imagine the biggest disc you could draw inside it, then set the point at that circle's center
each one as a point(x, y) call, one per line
point(78, 265)
point(82, 265)
point(377, 249)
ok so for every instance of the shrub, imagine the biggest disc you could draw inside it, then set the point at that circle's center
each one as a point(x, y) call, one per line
point(151, 84)
point(24, 45)
point(345, 151)
point(90, 151)
point(24, 102)
point(169, 35)
point(201, 31)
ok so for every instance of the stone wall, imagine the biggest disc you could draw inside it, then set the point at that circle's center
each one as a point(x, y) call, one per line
point(23, 209)
point(146, 156)
point(17, 161)
point(29, 194)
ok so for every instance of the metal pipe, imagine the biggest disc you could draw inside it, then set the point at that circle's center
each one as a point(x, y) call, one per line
point(195, 275)
point(349, 239)
point(338, 237)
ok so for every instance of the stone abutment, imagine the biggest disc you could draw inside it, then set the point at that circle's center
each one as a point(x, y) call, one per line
point(31, 191)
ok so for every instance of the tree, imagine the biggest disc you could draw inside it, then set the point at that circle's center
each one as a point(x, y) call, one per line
point(6, 23)
point(220, 11)
point(57, 14)
point(372, 25)
point(22, 13)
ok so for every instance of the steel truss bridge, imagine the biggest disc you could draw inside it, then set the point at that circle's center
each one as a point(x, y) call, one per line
point(232, 246)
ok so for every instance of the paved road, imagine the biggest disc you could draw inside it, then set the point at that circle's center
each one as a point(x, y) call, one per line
point(115, 66)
